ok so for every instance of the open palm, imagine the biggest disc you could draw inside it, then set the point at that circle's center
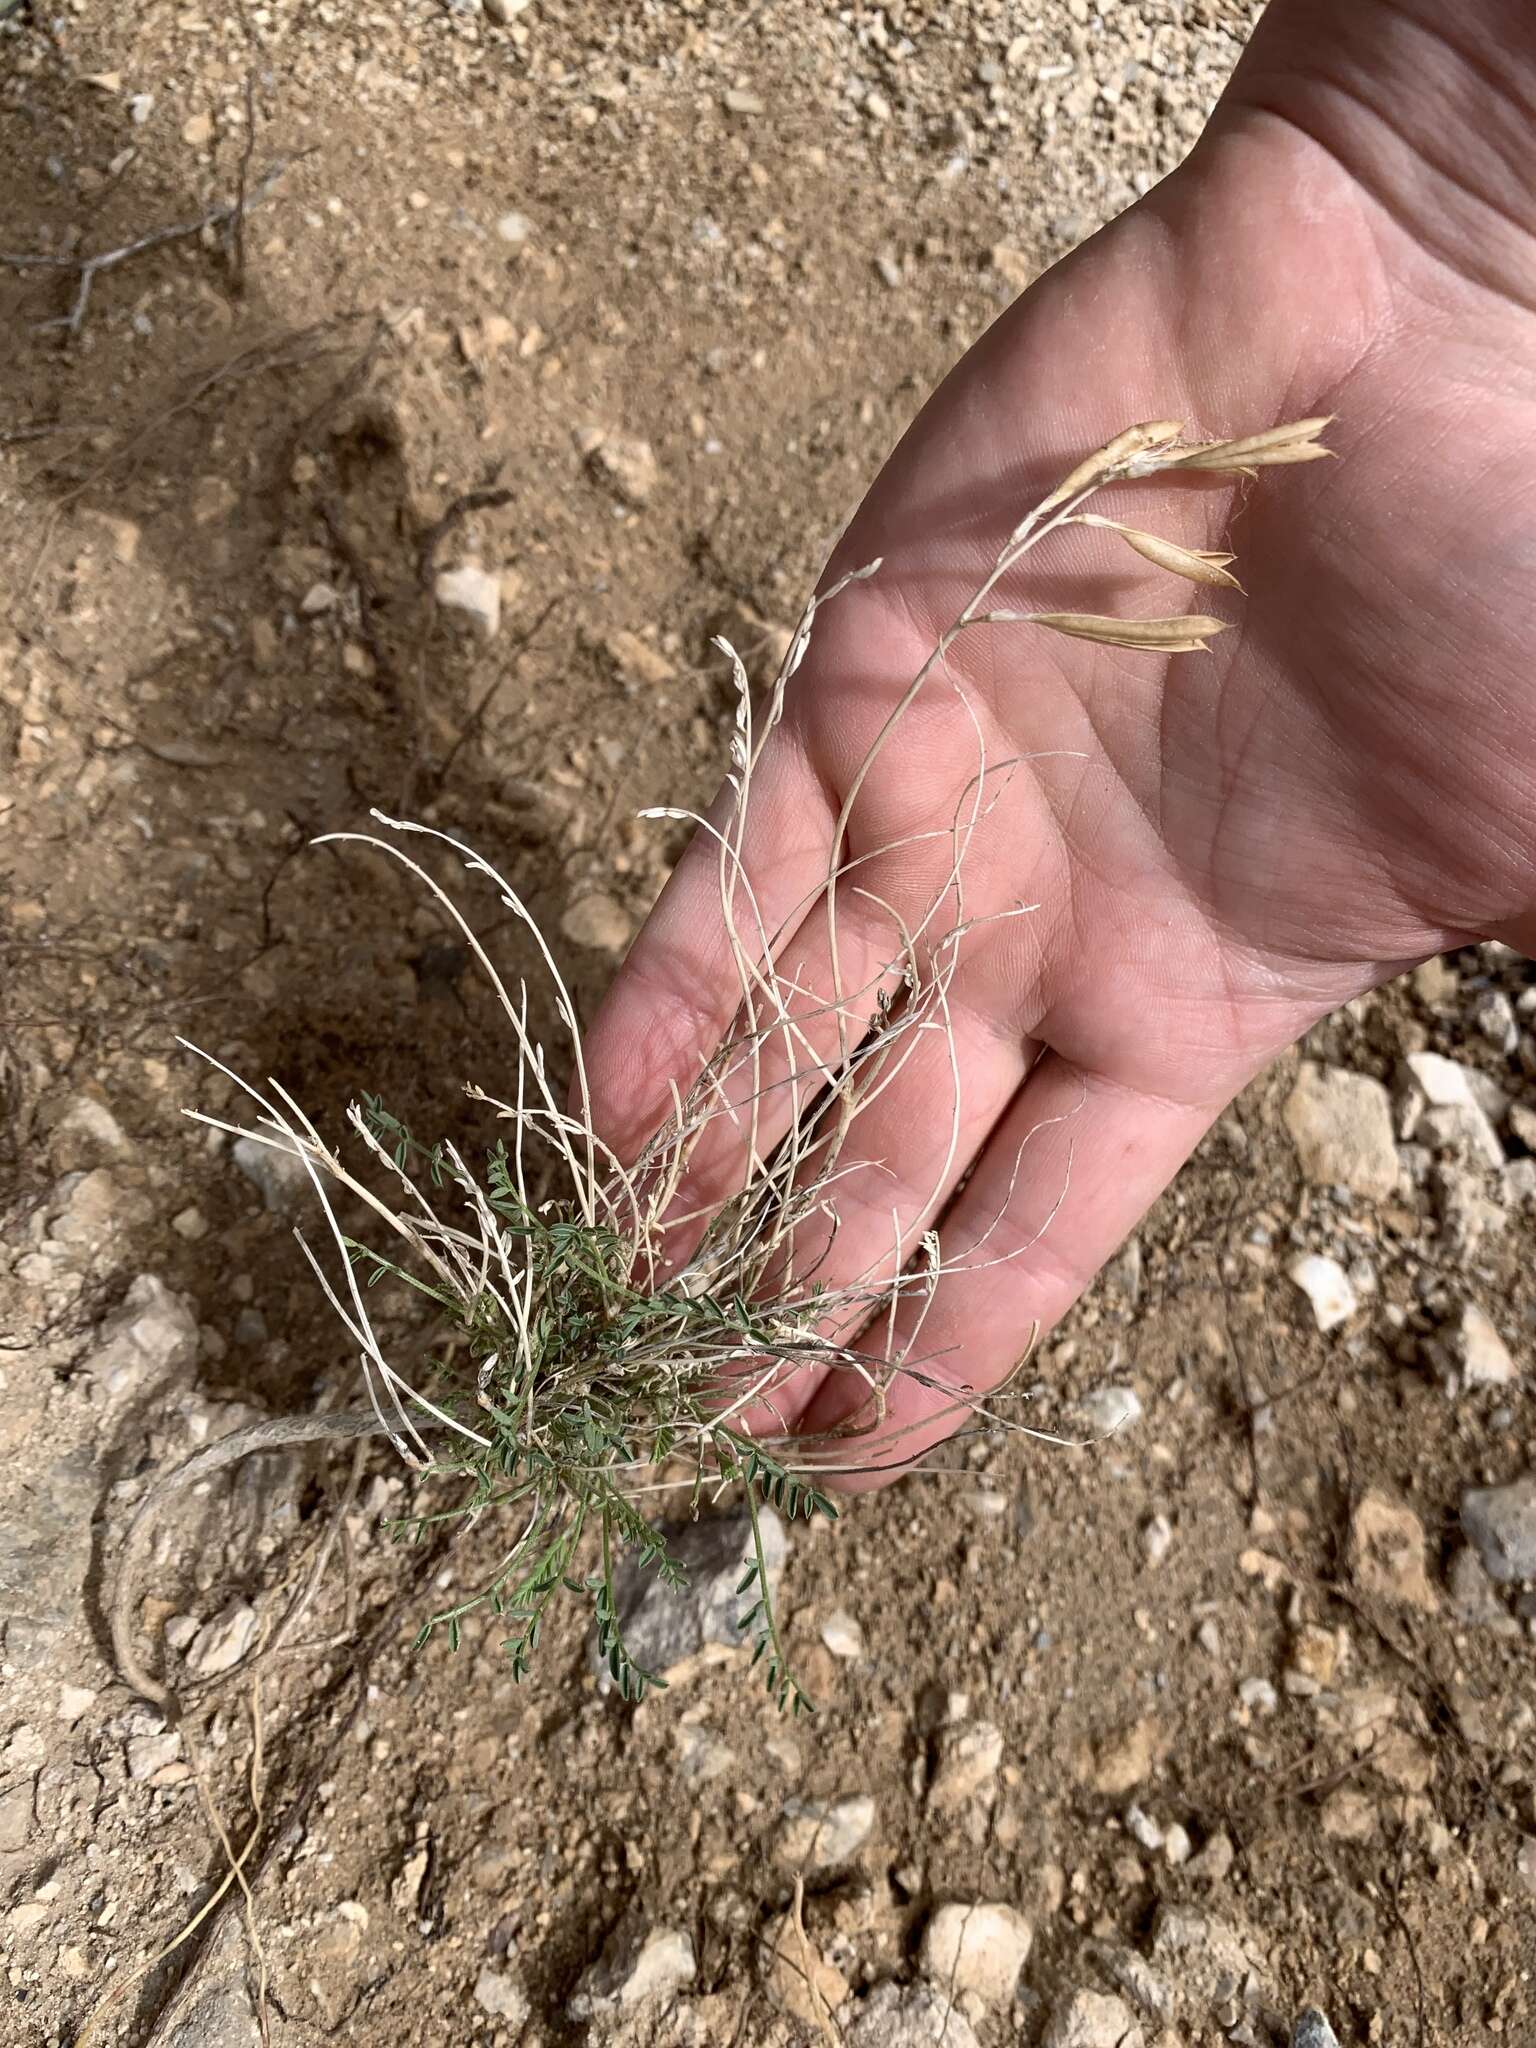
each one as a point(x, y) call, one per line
point(1221, 847)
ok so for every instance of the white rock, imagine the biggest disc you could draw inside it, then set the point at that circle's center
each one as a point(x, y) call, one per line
point(220, 1643)
point(966, 1763)
point(843, 1636)
point(154, 1332)
point(1093, 2019)
point(75, 1700)
point(150, 1753)
point(1447, 1084)
point(656, 1967)
point(1142, 1828)
point(1177, 1847)
point(282, 1177)
point(978, 1949)
point(514, 227)
point(1481, 1354)
point(600, 922)
point(1156, 1539)
point(1326, 1285)
point(627, 467)
point(473, 591)
point(94, 1124)
point(915, 2017)
point(1341, 1126)
point(502, 1996)
point(1200, 1953)
point(1108, 1410)
point(1461, 1127)
point(818, 1836)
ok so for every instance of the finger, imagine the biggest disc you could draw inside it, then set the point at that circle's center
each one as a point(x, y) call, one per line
point(675, 994)
point(1069, 1171)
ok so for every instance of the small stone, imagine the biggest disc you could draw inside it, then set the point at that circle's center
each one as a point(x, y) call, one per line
point(1156, 1540)
point(1501, 1522)
point(627, 467)
point(1474, 1597)
point(1125, 1759)
point(153, 1334)
point(514, 228)
point(803, 1982)
point(190, 1223)
point(475, 592)
point(916, 2016)
point(1013, 266)
point(1315, 1652)
point(967, 1757)
point(1212, 1863)
point(1450, 1084)
point(222, 1642)
point(1463, 1130)
point(1142, 1829)
point(736, 101)
point(1258, 1695)
point(1177, 1846)
point(148, 1754)
point(978, 1949)
point(1493, 1018)
point(636, 661)
point(819, 1836)
point(197, 133)
point(1130, 1972)
point(1341, 1126)
point(1198, 1952)
point(503, 12)
point(17, 1809)
point(1387, 1554)
point(1348, 1816)
point(1312, 2030)
point(75, 1701)
point(1480, 1352)
point(85, 1135)
point(661, 1627)
point(1108, 1410)
point(499, 1994)
point(702, 1758)
point(634, 1972)
point(281, 1176)
point(405, 1892)
point(1093, 2019)
point(320, 597)
point(843, 1636)
point(1327, 1287)
point(600, 922)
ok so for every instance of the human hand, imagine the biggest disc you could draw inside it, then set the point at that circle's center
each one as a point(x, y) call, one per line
point(1224, 846)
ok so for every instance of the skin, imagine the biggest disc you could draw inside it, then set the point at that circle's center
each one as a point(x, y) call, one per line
point(1223, 847)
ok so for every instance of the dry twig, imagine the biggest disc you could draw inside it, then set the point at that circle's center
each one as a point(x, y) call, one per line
point(89, 268)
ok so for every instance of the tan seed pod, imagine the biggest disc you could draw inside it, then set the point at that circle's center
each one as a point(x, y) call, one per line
point(1131, 442)
point(1200, 565)
point(1296, 442)
point(1186, 635)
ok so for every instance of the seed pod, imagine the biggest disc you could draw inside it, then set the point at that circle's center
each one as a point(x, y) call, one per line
point(1132, 442)
point(1200, 565)
point(1296, 442)
point(1187, 635)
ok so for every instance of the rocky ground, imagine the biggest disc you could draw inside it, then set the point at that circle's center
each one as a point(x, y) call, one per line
point(562, 337)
